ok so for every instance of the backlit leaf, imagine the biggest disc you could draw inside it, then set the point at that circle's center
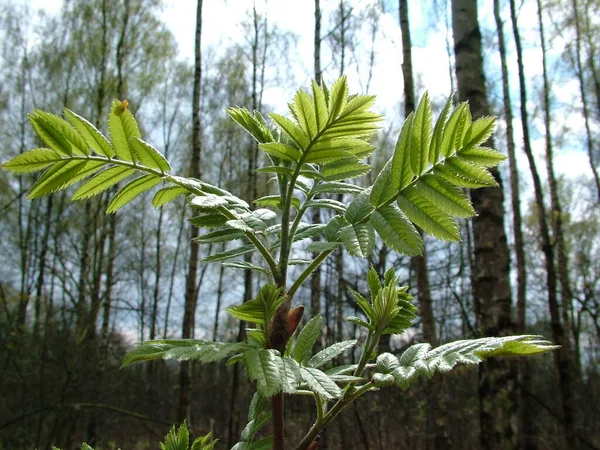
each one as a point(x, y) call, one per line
point(427, 216)
point(32, 160)
point(130, 191)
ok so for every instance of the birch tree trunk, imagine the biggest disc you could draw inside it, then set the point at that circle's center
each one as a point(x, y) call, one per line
point(526, 431)
point(562, 357)
point(490, 273)
point(191, 291)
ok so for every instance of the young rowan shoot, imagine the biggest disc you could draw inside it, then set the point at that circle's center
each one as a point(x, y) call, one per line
point(313, 153)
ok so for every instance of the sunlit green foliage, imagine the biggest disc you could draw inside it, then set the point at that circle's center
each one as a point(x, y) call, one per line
point(326, 139)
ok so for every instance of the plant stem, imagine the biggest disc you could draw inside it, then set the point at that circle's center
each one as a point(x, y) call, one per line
point(350, 394)
point(342, 403)
point(286, 237)
point(310, 269)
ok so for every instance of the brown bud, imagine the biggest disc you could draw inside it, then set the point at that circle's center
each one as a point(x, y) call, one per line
point(279, 328)
point(314, 445)
point(294, 318)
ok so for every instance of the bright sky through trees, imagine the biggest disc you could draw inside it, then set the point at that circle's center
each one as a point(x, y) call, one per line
point(430, 59)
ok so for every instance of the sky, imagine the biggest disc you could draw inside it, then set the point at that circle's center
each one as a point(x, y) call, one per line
point(430, 59)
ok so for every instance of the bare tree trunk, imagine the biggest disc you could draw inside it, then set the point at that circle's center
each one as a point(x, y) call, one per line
point(584, 101)
point(527, 406)
point(24, 229)
point(526, 428)
point(556, 211)
point(562, 357)
point(490, 272)
point(315, 281)
point(191, 293)
point(173, 272)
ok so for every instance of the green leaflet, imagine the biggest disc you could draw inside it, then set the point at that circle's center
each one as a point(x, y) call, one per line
point(421, 360)
point(327, 151)
point(404, 318)
point(332, 230)
point(456, 126)
point(306, 338)
point(397, 231)
point(479, 132)
point(304, 231)
point(58, 134)
point(402, 173)
point(331, 352)
point(438, 131)
point(166, 195)
point(358, 239)
point(320, 106)
point(336, 187)
point(326, 203)
point(337, 98)
point(387, 363)
point(252, 123)
point(262, 366)
point(130, 191)
point(281, 151)
point(123, 128)
point(421, 136)
point(261, 309)
point(320, 383)
point(373, 282)
point(57, 177)
point(445, 196)
point(308, 231)
point(222, 256)
point(245, 266)
point(383, 189)
point(205, 442)
point(149, 156)
point(219, 236)
point(360, 322)
point(316, 247)
point(359, 209)
point(93, 138)
point(252, 220)
point(208, 201)
point(291, 129)
point(176, 440)
point(364, 304)
point(32, 160)
point(427, 216)
point(102, 181)
point(304, 112)
point(463, 173)
point(274, 201)
point(482, 156)
point(291, 375)
point(211, 219)
point(344, 169)
point(182, 349)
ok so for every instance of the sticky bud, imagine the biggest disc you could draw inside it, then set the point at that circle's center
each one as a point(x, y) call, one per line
point(294, 318)
point(121, 107)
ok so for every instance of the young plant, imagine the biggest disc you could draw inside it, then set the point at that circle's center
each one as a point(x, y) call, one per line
point(312, 155)
point(177, 440)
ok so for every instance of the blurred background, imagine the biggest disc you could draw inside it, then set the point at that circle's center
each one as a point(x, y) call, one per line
point(79, 287)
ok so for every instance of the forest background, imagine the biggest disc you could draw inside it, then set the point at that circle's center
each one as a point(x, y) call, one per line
point(78, 287)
